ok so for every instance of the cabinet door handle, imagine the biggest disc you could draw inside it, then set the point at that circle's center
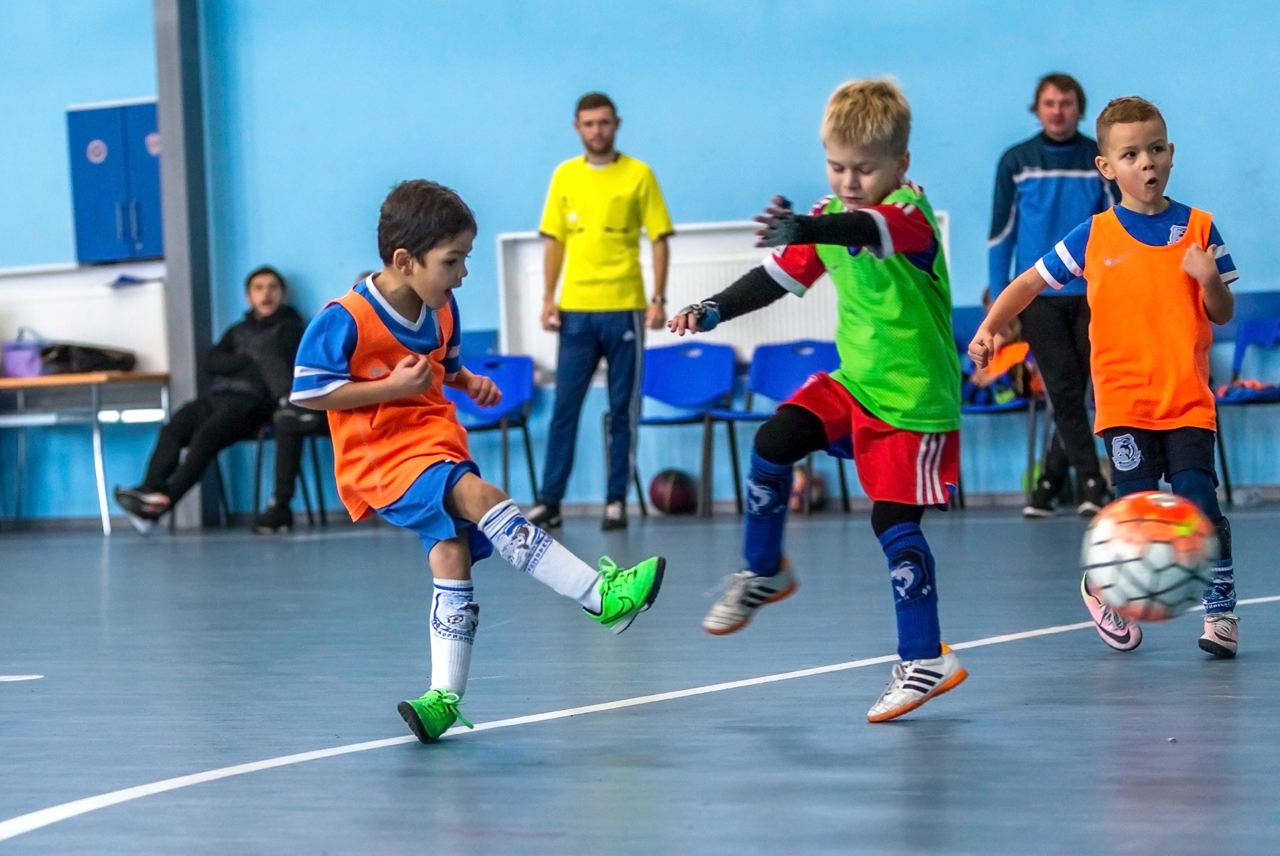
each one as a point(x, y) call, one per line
point(133, 221)
point(119, 221)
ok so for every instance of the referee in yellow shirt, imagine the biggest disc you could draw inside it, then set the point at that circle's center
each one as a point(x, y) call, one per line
point(591, 225)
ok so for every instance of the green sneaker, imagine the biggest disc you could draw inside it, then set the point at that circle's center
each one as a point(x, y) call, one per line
point(432, 715)
point(627, 592)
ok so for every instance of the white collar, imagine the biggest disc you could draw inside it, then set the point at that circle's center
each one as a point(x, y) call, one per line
point(415, 326)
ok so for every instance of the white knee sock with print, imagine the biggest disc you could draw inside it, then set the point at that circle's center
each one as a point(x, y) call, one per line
point(540, 556)
point(454, 619)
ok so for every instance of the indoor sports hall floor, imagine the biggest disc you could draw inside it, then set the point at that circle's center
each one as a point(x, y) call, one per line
point(186, 655)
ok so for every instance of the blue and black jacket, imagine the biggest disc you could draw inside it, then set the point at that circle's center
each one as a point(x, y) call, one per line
point(1044, 189)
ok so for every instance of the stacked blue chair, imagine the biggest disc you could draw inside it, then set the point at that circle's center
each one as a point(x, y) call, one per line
point(695, 378)
point(777, 372)
point(1263, 333)
point(514, 376)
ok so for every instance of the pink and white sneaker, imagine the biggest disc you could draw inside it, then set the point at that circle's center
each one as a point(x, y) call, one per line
point(1221, 635)
point(1117, 631)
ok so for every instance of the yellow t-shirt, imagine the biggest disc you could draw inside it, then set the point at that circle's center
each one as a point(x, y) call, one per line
point(597, 213)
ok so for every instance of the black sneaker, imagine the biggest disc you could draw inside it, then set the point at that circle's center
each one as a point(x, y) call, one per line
point(1041, 503)
point(276, 519)
point(615, 516)
point(1094, 496)
point(143, 507)
point(546, 515)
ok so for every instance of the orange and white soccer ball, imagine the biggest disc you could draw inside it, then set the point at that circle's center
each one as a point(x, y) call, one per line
point(1149, 556)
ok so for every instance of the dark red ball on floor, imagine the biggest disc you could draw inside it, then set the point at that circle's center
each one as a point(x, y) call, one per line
point(673, 492)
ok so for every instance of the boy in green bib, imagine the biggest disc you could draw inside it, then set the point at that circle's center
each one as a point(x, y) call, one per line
point(893, 406)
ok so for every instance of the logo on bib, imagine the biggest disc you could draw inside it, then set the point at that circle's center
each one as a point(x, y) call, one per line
point(1125, 454)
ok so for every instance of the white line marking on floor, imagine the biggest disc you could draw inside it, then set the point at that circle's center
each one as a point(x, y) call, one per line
point(7, 678)
point(44, 817)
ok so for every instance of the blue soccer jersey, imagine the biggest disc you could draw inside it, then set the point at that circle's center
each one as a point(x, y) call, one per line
point(1065, 261)
point(324, 357)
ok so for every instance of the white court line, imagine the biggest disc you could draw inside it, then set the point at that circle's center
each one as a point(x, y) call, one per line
point(44, 817)
point(8, 678)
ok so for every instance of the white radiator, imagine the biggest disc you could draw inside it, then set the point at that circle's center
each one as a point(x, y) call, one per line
point(705, 257)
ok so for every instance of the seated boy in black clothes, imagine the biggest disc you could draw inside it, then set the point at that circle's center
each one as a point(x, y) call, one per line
point(253, 369)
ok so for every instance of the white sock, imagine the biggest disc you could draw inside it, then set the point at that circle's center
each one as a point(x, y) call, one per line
point(541, 556)
point(454, 618)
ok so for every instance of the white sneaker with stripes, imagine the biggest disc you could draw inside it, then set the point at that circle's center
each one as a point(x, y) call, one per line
point(914, 682)
point(746, 593)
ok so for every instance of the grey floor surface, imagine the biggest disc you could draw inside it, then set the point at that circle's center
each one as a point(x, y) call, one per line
point(176, 655)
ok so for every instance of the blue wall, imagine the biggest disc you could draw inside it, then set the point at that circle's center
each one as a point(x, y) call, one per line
point(313, 116)
point(54, 53)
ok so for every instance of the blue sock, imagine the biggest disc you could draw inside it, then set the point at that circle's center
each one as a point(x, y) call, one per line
point(915, 592)
point(768, 493)
point(1199, 487)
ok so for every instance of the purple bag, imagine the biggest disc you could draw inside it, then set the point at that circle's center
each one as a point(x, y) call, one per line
point(22, 355)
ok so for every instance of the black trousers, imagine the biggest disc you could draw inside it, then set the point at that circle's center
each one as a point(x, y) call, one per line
point(204, 427)
point(1057, 329)
point(292, 426)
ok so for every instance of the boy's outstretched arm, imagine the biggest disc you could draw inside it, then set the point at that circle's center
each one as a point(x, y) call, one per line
point(1015, 298)
point(753, 290)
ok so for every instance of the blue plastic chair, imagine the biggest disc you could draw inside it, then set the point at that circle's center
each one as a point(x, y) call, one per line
point(777, 372)
point(696, 378)
point(1262, 333)
point(514, 376)
point(1031, 406)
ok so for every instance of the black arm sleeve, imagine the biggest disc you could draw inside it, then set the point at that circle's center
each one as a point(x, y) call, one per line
point(754, 290)
point(845, 229)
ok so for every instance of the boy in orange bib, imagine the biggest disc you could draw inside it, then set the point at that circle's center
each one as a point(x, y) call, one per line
point(1157, 274)
point(377, 360)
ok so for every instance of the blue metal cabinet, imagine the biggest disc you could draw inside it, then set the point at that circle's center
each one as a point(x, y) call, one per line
point(115, 182)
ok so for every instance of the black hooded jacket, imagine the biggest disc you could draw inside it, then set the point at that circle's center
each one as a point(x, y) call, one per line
point(255, 355)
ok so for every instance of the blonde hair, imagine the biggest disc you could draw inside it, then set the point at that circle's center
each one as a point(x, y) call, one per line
point(1123, 111)
point(868, 112)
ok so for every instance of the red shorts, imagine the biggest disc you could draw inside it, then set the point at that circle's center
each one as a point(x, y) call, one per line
point(894, 465)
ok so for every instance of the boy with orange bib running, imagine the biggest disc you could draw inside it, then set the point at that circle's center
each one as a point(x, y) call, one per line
point(1157, 274)
point(377, 360)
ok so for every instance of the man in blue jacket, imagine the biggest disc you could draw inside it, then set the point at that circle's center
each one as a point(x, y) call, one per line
point(1045, 187)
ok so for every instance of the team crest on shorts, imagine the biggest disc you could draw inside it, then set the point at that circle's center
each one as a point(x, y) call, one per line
point(1125, 454)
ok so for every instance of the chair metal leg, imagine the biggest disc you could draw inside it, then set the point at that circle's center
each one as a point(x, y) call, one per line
point(1029, 481)
point(736, 467)
point(1222, 461)
point(306, 494)
point(224, 507)
point(959, 499)
point(844, 486)
point(528, 456)
point(257, 476)
point(644, 508)
point(806, 495)
point(705, 493)
point(315, 470)
point(503, 425)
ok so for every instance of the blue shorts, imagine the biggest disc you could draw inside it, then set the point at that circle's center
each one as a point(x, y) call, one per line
point(422, 509)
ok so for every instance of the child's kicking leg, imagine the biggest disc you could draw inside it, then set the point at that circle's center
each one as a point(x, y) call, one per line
point(1221, 636)
point(928, 667)
point(785, 438)
point(454, 619)
point(1115, 630)
point(612, 596)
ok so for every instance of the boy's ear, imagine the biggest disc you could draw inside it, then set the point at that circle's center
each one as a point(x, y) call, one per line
point(1104, 167)
point(904, 164)
point(402, 261)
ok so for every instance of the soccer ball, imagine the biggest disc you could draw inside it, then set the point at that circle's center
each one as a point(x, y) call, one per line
point(1149, 556)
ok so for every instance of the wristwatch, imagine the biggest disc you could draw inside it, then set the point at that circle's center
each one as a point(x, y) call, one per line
point(660, 299)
